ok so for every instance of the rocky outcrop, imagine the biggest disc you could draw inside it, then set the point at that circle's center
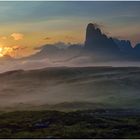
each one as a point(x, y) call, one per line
point(97, 41)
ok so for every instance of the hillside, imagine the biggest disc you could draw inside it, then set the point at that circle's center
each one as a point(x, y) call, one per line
point(61, 87)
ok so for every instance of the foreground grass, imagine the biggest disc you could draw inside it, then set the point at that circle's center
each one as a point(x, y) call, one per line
point(78, 124)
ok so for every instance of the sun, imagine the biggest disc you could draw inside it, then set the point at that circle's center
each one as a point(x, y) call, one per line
point(1, 52)
point(5, 51)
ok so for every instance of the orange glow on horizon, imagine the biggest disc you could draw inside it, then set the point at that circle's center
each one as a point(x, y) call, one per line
point(5, 51)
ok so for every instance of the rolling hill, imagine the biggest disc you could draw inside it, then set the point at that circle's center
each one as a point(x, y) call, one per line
point(70, 88)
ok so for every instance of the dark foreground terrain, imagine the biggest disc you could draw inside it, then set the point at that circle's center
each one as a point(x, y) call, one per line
point(101, 123)
point(97, 91)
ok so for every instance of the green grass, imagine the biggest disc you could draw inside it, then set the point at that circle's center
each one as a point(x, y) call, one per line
point(78, 124)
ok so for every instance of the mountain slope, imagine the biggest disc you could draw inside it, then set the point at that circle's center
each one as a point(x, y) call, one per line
point(113, 86)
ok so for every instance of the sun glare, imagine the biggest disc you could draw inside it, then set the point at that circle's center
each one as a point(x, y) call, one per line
point(5, 51)
point(1, 52)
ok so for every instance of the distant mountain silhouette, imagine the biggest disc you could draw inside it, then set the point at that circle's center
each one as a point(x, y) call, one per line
point(136, 50)
point(107, 47)
point(97, 46)
point(124, 45)
point(97, 41)
point(56, 54)
point(137, 46)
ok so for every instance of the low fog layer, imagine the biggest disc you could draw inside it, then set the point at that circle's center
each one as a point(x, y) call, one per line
point(74, 56)
point(103, 86)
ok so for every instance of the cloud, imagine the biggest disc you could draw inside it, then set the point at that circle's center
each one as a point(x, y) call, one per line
point(3, 38)
point(17, 47)
point(69, 37)
point(17, 36)
point(47, 38)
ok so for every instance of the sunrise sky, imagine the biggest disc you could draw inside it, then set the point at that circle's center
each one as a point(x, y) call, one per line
point(27, 25)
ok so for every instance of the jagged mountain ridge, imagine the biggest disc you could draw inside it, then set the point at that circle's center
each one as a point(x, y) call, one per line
point(96, 40)
point(98, 46)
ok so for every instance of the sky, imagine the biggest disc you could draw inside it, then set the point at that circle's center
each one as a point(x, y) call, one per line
point(25, 26)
